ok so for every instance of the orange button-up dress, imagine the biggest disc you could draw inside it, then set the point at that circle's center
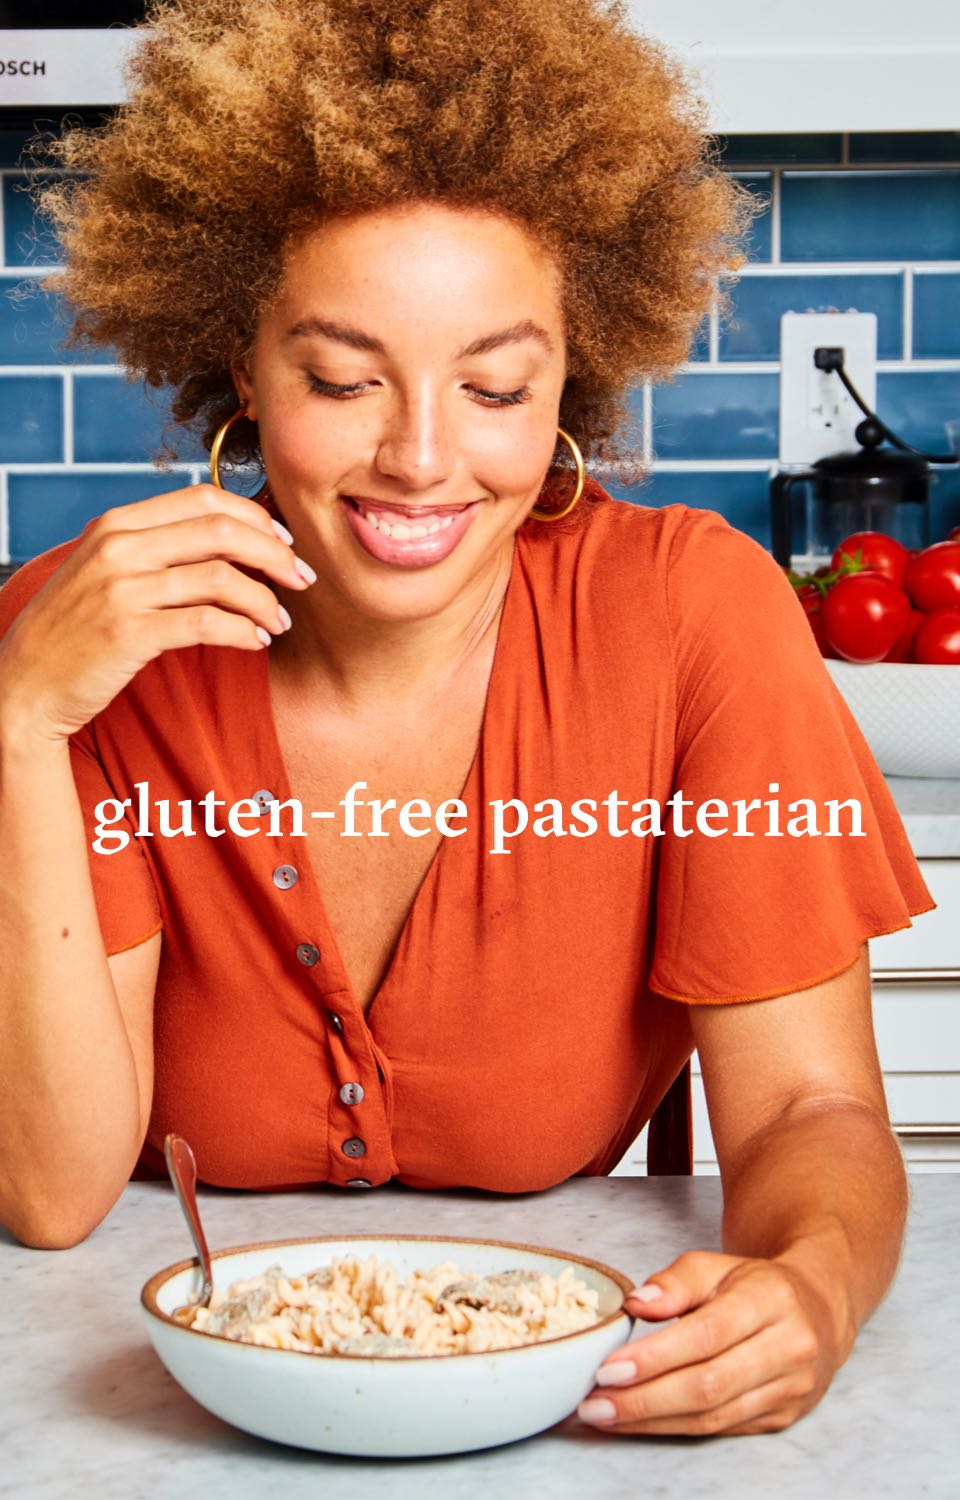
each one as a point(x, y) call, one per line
point(536, 1007)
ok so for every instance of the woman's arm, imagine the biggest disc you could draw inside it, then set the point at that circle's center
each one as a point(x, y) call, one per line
point(75, 1027)
point(814, 1208)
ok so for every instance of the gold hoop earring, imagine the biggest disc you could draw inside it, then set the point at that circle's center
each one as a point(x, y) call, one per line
point(217, 444)
point(554, 515)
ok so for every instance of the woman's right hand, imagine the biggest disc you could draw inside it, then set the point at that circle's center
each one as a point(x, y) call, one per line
point(145, 578)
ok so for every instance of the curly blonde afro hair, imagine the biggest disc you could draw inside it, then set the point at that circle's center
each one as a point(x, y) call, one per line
point(250, 121)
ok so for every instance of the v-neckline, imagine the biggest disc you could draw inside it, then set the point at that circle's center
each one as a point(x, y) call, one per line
point(307, 870)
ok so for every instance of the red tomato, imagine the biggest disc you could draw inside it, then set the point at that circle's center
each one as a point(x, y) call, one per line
point(938, 638)
point(953, 535)
point(933, 578)
point(900, 650)
point(809, 596)
point(876, 551)
point(864, 615)
point(819, 628)
point(811, 601)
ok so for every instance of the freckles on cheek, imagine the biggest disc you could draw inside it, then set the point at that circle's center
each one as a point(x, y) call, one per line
point(310, 453)
point(516, 465)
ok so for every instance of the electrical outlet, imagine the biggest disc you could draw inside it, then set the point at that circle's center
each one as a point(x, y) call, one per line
point(817, 416)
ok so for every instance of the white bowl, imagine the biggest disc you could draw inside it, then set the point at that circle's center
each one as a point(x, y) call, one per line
point(385, 1408)
point(909, 714)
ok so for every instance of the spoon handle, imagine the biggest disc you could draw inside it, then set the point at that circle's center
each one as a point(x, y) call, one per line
point(182, 1166)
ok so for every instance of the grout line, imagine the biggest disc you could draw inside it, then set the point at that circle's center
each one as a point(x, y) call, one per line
point(106, 470)
point(67, 417)
point(908, 313)
point(712, 465)
point(43, 171)
point(745, 366)
point(813, 168)
point(85, 371)
point(17, 270)
point(647, 423)
point(775, 219)
point(842, 268)
point(4, 519)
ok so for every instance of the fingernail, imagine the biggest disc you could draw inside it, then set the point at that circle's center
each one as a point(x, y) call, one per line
point(304, 569)
point(285, 619)
point(597, 1411)
point(648, 1293)
point(264, 635)
point(617, 1372)
point(282, 533)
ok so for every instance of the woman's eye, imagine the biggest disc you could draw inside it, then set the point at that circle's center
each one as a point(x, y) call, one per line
point(502, 398)
point(328, 388)
point(485, 398)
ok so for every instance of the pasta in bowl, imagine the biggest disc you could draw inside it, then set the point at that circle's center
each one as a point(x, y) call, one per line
point(389, 1346)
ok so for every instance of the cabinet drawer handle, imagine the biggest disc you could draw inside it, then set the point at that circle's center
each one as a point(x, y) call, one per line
point(937, 1132)
point(915, 976)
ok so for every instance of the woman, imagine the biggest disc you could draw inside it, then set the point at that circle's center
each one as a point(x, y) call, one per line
point(407, 256)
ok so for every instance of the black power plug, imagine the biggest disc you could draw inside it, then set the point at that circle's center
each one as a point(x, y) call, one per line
point(828, 359)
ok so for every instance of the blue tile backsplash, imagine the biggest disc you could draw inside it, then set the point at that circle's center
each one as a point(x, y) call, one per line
point(46, 509)
point(31, 418)
point(936, 315)
point(27, 239)
point(716, 416)
point(870, 222)
point(118, 421)
point(759, 301)
point(920, 404)
point(34, 324)
point(870, 215)
point(760, 238)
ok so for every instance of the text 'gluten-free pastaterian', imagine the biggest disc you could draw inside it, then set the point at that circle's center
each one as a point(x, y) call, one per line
point(504, 821)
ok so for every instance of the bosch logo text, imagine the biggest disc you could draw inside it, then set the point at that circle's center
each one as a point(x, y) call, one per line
point(28, 67)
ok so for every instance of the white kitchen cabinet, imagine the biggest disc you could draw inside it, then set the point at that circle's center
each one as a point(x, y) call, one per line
point(819, 66)
point(916, 1009)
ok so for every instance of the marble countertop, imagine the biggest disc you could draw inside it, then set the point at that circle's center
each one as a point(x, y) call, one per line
point(930, 810)
point(88, 1410)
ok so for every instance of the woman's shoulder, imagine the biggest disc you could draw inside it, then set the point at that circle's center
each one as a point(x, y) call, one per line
point(630, 548)
point(29, 578)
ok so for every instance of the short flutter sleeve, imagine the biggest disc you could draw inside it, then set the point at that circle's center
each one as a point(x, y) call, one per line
point(127, 906)
point(770, 899)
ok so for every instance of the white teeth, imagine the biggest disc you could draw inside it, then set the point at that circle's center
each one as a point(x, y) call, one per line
point(400, 531)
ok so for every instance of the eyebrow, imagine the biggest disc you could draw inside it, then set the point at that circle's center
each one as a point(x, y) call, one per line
point(344, 333)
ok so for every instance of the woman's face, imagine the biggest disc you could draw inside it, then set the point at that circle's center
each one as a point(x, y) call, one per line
point(407, 384)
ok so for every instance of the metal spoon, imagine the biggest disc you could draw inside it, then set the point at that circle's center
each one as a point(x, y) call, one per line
point(182, 1166)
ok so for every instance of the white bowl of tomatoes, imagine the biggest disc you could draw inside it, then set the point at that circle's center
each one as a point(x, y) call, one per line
point(888, 622)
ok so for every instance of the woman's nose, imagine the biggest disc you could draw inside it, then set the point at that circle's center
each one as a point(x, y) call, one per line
point(417, 445)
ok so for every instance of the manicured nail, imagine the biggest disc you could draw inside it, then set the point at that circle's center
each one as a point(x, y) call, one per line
point(597, 1411)
point(282, 533)
point(648, 1293)
point(285, 619)
point(264, 635)
point(305, 570)
point(617, 1372)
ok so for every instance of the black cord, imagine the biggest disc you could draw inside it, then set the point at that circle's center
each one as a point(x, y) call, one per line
point(832, 359)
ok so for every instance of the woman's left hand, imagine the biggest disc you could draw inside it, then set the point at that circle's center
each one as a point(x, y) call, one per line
point(755, 1347)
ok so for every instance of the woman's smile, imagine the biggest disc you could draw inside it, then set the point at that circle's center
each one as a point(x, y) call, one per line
point(407, 536)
